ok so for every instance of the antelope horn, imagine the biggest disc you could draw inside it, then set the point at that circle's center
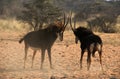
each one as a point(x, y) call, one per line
point(71, 21)
point(65, 24)
point(74, 23)
point(64, 20)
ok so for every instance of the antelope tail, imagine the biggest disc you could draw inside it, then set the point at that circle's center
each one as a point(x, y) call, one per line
point(97, 47)
point(20, 41)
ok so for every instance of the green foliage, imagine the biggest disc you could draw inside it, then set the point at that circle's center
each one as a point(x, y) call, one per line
point(39, 12)
point(98, 14)
point(10, 8)
point(101, 24)
point(104, 13)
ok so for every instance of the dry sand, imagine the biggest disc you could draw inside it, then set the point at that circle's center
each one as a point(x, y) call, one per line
point(65, 59)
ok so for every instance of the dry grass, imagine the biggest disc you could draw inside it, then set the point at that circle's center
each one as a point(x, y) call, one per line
point(12, 25)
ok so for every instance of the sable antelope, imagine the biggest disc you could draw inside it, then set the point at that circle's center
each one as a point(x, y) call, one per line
point(89, 42)
point(43, 39)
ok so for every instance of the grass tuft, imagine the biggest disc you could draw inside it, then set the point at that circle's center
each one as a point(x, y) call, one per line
point(13, 25)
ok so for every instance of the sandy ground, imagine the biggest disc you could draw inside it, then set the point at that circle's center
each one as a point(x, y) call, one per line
point(65, 59)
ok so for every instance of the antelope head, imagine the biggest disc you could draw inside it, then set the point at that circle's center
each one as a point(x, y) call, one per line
point(62, 27)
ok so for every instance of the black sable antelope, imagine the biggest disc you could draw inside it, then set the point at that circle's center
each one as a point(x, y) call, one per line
point(43, 39)
point(89, 42)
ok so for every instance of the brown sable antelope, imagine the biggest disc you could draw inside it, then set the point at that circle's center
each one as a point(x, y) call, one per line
point(89, 42)
point(43, 39)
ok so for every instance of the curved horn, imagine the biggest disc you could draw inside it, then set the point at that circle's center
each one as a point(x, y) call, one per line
point(71, 21)
point(74, 23)
point(65, 22)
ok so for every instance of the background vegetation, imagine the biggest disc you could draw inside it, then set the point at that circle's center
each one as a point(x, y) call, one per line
point(98, 15)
